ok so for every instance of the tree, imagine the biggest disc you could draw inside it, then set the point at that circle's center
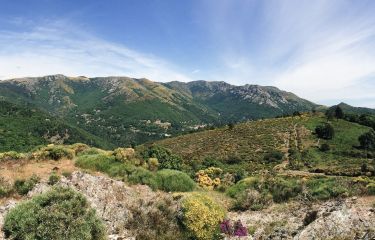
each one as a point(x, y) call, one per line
point(339, 114)
point(230, 126)
point(367, 140)
point(166, 159)
point(325, 131)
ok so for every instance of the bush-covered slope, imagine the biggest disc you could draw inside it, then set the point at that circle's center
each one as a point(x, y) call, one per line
point(290, 142)
point(23, 127)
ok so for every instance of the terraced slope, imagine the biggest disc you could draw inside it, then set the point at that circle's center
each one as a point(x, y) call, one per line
point(248, 143)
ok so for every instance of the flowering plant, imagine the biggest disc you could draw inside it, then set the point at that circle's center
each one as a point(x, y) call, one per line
point(236, 230)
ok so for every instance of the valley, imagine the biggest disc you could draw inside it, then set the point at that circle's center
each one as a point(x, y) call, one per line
point(274, 178)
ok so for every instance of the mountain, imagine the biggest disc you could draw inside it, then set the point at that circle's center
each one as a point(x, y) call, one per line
point(235, 103)
point(354, 110)
point(124, 111)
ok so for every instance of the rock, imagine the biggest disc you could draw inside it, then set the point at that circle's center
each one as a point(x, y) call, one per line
point(115, 202)
point(3, 211)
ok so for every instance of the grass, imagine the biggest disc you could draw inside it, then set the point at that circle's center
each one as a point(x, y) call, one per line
point(344, 157)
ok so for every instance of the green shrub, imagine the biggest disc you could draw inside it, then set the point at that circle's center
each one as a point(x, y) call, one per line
point(54, 152)
point(273, 156)
point(201, 216)
point(5, 188)
point(241, 187)
point(324, 147)
point(325, 131)
point(252, 199)
point(143, 176)
point(282, 189)
point(174, 181)
point(22, 186)
point(58, 214)
point(326, 188)
point(166, 159)
point(96, 162)
point(371, 188)
point(367, 140)
point(53, 178)
point(255, 193)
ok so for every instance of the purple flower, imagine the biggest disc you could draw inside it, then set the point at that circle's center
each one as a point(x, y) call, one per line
point(240, 230)
point(226, 227)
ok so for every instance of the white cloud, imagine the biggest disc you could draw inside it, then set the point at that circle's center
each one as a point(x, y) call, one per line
point(320, 50)
point(61, 48)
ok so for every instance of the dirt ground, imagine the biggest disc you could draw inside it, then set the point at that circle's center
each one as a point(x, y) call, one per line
point(22, 169)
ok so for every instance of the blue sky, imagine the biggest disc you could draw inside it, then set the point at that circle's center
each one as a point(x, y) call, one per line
point(323, 51)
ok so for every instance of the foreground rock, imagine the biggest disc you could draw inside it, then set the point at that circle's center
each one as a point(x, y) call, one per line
point(352, 218)
point(118, 205)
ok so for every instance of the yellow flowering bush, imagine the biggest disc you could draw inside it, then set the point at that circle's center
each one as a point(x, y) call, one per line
point(124, 154)
point(53, 152)
point(201, 216)
point(209, 178)
point(153, 164)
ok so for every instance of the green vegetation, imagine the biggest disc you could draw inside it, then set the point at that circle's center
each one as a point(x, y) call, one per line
point(11, 155)
point(167, 180)
point(23, 126)
point(233, 150)
point(257, 192)
point(23, 186)
point(54, 152)
point(174, 181)
point(367, 140)
point(325, 131)
point(60, 213)
point(165, 158)
point(96, 116)
point(53, 178)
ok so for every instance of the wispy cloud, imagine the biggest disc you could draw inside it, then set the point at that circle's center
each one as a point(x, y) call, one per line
point(322, 50)
point(60, 47)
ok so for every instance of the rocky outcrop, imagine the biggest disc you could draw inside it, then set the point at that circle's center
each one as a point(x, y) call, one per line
point(116, 203)
point(352, 218)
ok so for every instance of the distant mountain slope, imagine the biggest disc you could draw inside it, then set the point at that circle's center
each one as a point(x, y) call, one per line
point(354, 110)
point(235, 103)
point(123, 110)
point(23, 127)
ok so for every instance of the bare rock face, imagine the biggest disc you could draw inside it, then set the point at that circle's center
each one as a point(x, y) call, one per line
point(348, 220)
point(337, 219)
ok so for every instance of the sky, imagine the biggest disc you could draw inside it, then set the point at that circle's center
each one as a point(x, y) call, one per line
point(323, 51)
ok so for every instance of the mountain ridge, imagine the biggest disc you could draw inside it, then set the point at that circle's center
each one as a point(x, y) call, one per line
point(124, 111)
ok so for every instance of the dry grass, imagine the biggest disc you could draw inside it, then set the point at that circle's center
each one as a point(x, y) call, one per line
point(22, 169)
